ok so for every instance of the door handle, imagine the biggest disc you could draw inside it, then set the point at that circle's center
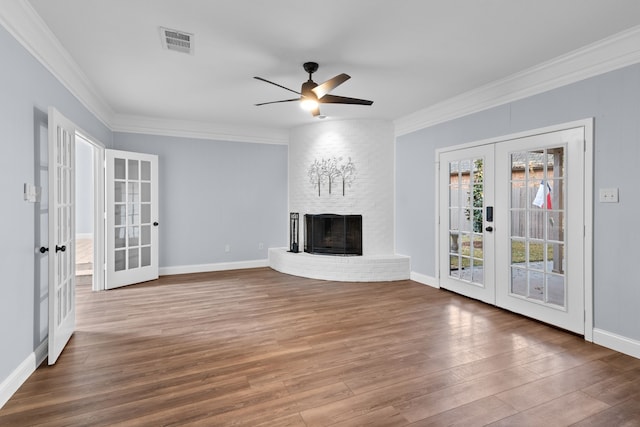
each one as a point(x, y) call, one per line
point(61, 248)
point(155, 224)
point(489, 229)
point(43, 249)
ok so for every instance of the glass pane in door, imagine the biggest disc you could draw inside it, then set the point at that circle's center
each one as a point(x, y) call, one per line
point(466, 204)
point(537, 215)
point(127, 212)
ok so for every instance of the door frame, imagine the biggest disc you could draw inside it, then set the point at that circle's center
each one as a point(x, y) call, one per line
point(98, 282)
point(587, 256)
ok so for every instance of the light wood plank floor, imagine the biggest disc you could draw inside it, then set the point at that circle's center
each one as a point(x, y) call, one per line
point(84, 256)
point(259, 348)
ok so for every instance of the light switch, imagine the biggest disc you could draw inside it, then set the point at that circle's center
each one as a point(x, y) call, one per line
point(608, 195)
point(30, 193)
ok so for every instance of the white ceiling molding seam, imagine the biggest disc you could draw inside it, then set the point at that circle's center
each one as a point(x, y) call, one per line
point(20, 19)
point(609, 54)
point(199, 130)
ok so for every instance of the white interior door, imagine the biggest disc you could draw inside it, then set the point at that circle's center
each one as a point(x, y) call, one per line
point(132, 218)
point(466, 251)
point(540, 258)
point(62, 274)
point(530, 257)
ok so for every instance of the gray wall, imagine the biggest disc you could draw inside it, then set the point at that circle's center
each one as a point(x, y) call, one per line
point(613, 99)
point(84, 187)
point(26, 91)
point(214, 193)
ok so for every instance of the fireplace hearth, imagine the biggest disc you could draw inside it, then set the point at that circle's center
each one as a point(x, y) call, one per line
point(332, 234)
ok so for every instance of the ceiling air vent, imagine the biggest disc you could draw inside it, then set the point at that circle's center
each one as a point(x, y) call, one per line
point(176, 40)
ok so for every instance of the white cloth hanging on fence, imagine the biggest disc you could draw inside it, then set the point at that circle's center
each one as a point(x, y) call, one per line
point(543, 190)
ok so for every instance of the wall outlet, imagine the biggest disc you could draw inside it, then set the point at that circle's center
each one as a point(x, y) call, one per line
point(227, 248)
point(608, 195)
point(260, 245)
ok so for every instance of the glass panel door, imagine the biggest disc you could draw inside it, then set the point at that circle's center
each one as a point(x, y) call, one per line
point(465, 195)
point(62, 301)
point(527, 254)
point(539, 251)
point(131, 218)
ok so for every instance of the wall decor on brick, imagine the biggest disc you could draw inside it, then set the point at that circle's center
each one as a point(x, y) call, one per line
point(331, 170)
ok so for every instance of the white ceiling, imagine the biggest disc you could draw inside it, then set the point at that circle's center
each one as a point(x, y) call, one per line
point(405, 55)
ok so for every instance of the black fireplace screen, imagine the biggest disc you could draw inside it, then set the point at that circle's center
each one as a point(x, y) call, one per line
point(332, 234)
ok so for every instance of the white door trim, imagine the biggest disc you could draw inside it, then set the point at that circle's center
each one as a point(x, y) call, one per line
point(588, 228)
point(98, 210)
point(588, 203)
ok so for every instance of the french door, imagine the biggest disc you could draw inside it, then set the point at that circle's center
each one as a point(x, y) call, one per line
point(132, 218)
point(466, 257)
point(62, 274)
point(540, 191)
point(511, 214)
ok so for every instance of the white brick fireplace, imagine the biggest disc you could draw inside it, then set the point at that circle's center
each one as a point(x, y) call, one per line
point(370, 146)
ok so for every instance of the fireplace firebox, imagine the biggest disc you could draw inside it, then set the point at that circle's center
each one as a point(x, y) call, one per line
point(332, 234)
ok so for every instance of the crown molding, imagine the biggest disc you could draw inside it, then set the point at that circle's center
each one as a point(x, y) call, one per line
point(28, 28)
point(25, 25)
point(199, 130)
point(612, 53)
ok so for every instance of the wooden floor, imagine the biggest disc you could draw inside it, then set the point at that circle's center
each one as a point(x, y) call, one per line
point(256, 347)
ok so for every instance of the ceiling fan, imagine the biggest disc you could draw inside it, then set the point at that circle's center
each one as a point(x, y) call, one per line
point(312, 94)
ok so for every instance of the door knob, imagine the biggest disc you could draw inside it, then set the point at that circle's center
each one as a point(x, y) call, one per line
point(61, 248)
point(155, 224)
point(489, 228)
point(43, 249)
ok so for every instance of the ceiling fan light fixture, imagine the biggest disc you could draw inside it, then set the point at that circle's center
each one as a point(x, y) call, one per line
point(313, 94)
point(309, 104)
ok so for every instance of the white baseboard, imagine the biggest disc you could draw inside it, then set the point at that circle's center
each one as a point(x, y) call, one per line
point(205, 268)
point(425, 280)
point(617, 342)
point(13, 382)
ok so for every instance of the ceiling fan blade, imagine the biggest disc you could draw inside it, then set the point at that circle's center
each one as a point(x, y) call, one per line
point(275, 102)
point(276, 84)
point(326, 87)
point(333, 99)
